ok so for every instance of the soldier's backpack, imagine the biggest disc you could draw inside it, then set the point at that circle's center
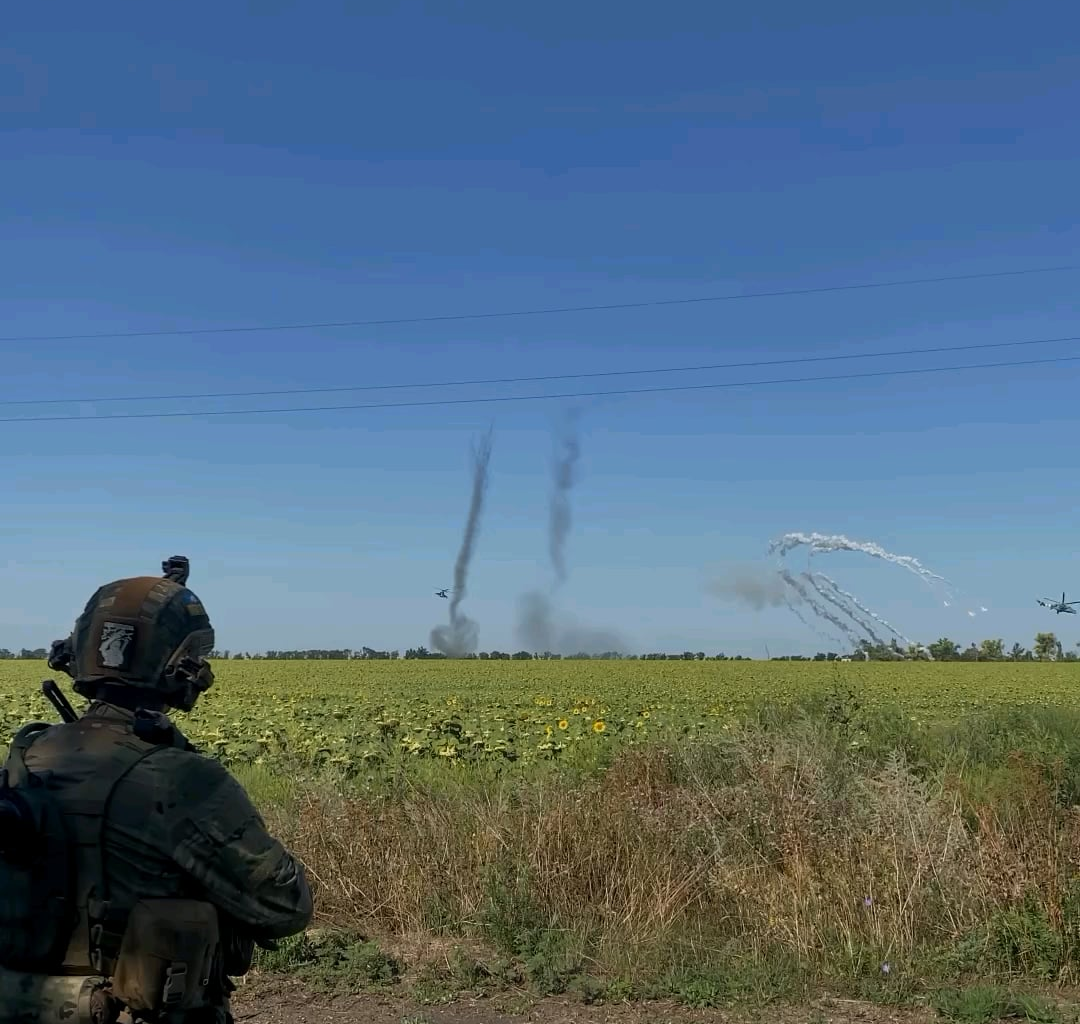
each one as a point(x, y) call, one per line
point(38, 910)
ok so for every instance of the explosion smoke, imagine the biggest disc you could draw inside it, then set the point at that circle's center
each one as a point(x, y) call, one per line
point(756, 589)
point(538, 631)
point(536, 628)
point(462, 634)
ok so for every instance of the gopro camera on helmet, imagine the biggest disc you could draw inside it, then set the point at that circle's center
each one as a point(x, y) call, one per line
point(176, 569)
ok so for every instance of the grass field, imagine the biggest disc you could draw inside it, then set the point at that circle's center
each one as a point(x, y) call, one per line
point(712, 831)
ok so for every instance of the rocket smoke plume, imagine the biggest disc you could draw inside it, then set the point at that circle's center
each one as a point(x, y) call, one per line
point(461, 636)
point(559, 513)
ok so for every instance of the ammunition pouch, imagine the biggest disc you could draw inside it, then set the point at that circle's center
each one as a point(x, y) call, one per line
point(169, 960)
point(237, 953)
point(55, 999)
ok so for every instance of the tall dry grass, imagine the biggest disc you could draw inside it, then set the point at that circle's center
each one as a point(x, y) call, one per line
point(823, 840)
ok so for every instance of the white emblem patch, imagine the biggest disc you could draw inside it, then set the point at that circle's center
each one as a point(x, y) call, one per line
point(116, 638)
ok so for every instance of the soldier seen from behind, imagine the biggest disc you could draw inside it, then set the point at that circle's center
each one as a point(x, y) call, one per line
point(135, 873)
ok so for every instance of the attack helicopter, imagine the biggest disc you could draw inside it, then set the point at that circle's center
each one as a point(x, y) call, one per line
point(1058, 606)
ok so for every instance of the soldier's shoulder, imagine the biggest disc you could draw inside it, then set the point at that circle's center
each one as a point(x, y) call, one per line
point(185, 764)
point(191, 779)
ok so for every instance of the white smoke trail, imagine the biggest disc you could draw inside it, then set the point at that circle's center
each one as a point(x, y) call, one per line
point(828, 581)
point(823, 542)
point(833, 594)
point(821, 610)
point(830, 638)
point(843, 606)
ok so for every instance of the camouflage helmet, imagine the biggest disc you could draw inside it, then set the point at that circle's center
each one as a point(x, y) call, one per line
point(147, 633)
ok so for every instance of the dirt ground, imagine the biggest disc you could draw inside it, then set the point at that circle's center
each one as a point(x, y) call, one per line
point(283, 1002)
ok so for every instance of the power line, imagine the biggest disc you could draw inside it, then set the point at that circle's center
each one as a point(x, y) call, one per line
point(540, 312)
point(755, 363)
point(533, 398)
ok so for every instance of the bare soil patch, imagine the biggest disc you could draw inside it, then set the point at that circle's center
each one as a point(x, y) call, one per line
point(282, 1001)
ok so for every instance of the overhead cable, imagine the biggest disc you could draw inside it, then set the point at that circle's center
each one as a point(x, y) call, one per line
point(448, 317)
point(750, 364)
point(866, 375)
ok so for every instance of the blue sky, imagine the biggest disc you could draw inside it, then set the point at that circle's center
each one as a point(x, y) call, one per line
point(283, 162)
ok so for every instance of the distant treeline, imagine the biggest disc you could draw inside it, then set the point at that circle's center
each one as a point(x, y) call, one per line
point(1047, 647)
point(370, 654)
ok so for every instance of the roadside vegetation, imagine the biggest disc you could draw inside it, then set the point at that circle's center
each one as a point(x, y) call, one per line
point(745, 844)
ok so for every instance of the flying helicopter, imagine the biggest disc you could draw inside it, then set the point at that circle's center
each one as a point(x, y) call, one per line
point(1059, 606)
point(444, 593)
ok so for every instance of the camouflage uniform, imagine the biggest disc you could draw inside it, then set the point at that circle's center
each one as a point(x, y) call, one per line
point(177, 825)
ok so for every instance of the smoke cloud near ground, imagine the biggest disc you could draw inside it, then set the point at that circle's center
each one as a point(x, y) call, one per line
point(462, 635)
point(759, 588)
point(537, 629)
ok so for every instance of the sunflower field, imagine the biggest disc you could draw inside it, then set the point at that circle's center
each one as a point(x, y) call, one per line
point(366, 718)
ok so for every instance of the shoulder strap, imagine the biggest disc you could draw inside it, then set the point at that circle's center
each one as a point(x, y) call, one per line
point(100, 928)
point(15, 765)
point(106, 923)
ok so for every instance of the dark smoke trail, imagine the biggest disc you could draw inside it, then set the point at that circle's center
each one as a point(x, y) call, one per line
point(559, 514)
point(460, 637)
point(536, 628)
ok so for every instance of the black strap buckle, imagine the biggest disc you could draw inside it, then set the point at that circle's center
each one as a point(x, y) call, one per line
point(96, 957)
point(172, 991)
